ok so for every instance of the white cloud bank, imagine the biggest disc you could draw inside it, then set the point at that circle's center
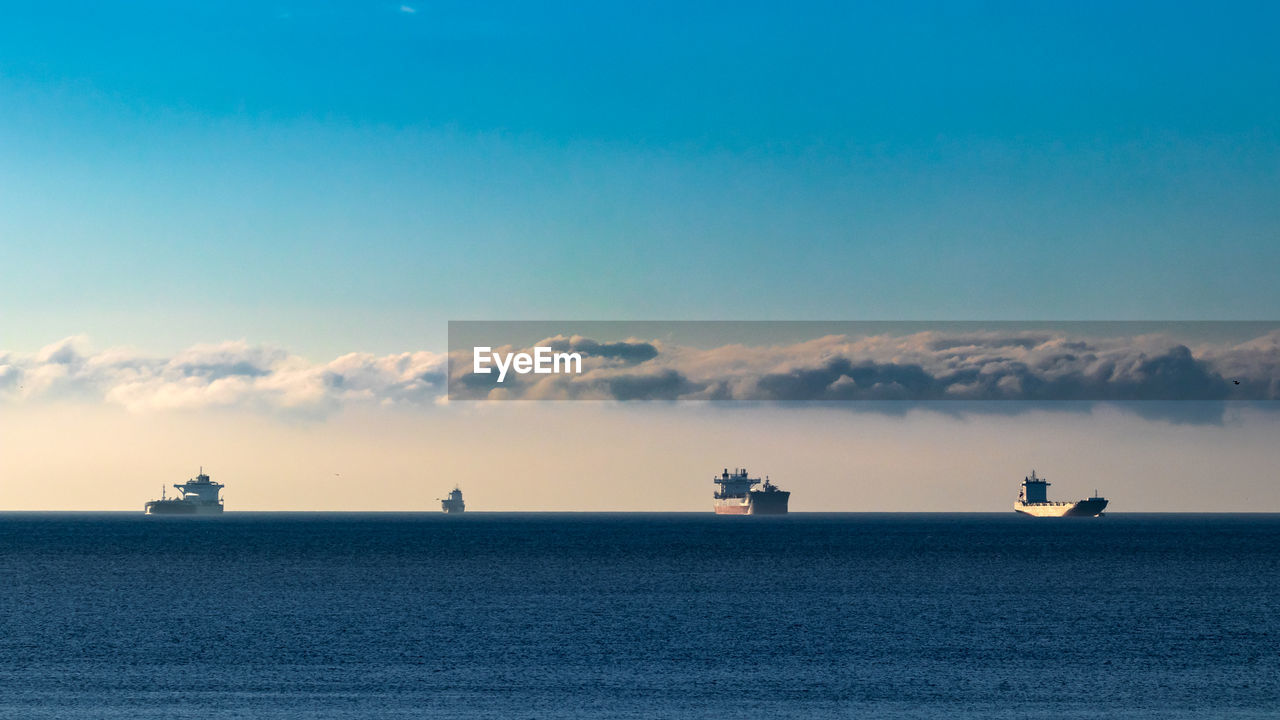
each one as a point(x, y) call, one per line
point(229, 374)
point(925, 366)
point(920, 367)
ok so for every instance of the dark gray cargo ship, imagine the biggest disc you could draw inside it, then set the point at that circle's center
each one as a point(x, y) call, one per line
point(453, 504)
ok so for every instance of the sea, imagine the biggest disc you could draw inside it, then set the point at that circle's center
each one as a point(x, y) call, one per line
point(262, 615)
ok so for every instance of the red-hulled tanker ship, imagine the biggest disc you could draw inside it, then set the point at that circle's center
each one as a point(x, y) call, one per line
point(736, 497)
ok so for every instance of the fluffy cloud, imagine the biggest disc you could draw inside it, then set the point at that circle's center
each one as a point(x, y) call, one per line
point(926, 366)
point(230, 374)
point(921, 367)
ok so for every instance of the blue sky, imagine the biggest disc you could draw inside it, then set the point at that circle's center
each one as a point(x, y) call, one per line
point(337, 177)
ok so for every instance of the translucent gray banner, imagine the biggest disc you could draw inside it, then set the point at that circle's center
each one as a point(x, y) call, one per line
point(812, 361)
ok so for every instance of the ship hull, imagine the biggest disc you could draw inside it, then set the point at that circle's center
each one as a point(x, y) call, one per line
point(769, 503)
point(757, 502)
point(182, 507)
point(1092, 507)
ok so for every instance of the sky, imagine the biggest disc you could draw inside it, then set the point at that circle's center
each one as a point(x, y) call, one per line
point(326, 179)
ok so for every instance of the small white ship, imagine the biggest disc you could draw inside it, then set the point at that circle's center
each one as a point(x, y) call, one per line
point(199, 496)
point(453, 503)
point(1033, 499)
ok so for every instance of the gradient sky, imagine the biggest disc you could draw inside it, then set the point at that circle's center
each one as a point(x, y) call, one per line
point(342, 177)
point(339, 176)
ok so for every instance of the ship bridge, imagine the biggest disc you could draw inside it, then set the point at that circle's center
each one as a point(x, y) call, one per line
point(200, 489)
point(1035, 489)
point(734, 484)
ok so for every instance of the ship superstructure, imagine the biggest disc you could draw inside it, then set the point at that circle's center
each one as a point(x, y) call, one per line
point(736, 496)
point(453, 503)
point(197, 496)
point(1033, 499)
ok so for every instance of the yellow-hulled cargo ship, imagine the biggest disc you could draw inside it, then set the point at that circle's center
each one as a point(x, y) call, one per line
point(1033, 499)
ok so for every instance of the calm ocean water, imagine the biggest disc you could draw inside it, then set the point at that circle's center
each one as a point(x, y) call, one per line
point(636, 616)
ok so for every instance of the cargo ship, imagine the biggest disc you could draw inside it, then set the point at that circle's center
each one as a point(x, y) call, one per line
point(453, 503)
point(198, 496)
point(1033, 499)
point(736, 496)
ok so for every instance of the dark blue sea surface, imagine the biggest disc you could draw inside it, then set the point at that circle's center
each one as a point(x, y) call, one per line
point(638, 616)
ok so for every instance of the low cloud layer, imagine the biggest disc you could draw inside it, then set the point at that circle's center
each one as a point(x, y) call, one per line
point(926, 366)
point(230, 375)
